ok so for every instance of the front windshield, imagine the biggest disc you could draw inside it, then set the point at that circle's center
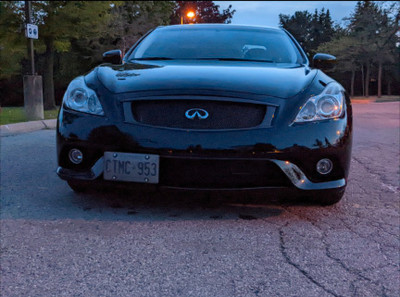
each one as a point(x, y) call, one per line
point(187, 43)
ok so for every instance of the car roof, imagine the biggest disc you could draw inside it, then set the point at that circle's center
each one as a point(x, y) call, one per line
point(219, 26)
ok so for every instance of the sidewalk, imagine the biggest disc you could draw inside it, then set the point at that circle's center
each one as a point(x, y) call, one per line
point(24, 127)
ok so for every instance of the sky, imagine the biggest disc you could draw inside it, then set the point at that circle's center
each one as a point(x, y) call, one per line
point(266, 13)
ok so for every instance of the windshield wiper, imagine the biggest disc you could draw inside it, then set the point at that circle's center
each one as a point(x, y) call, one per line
point(152, 58)
point(236, 59)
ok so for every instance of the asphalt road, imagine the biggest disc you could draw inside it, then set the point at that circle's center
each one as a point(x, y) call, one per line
point(57, 243)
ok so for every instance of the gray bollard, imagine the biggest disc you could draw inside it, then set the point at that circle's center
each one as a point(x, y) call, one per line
point(33, 97)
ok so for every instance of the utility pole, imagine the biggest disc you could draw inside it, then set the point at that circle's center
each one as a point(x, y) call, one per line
point(33, 86)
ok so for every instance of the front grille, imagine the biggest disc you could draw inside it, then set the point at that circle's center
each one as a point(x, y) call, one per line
point(221, 114)
point(218, 174)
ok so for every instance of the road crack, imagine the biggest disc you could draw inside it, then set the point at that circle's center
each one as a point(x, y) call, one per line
point(368, 238)
point(296, 266)
point(392, 188)
point(352, 271)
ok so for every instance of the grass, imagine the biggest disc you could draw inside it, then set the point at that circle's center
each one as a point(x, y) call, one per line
point(9, 115)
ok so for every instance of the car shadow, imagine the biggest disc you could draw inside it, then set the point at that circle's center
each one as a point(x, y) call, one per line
point(53, 200)
point(174, 206)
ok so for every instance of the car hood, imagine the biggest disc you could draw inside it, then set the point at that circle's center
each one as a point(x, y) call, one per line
point(246, 77)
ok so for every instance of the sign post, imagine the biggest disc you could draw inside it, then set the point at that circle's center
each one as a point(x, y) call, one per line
point(32, 32)
point(33, 90)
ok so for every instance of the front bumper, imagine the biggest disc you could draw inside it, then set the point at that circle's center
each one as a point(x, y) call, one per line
point(292, 173)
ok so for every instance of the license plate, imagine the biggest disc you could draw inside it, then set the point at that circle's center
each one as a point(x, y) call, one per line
point(142, 168)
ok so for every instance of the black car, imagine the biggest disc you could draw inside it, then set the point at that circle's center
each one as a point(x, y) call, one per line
point(208, 107)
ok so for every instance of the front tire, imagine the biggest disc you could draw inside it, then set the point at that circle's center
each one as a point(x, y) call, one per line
point(78, 186)
point(329, 197)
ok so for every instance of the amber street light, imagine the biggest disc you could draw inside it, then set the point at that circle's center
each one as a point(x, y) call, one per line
point(189, 15)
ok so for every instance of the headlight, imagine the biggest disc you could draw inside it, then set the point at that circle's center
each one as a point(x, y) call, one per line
point(327, 105)
point(81, 98)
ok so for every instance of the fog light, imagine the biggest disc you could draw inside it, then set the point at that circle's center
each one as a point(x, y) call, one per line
point(324, 166)
point(75, 156)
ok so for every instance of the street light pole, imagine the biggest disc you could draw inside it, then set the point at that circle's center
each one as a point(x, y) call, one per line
point(30, 42)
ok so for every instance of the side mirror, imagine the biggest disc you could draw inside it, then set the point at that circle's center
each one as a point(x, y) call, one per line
point(113, 57)
point(323, 61)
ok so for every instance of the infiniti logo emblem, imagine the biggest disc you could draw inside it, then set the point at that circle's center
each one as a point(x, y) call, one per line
point(191, 114)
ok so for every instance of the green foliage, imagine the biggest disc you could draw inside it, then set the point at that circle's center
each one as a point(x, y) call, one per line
point(367, 45)
point(62, 21)
point(369, 41)
point(59, 22)
point(310, 30)
point(346, 49)
point(12, 39)
point(62, 45)
point(127, 22)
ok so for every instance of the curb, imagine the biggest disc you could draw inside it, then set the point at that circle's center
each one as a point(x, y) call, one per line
point(25, 127)
point(362, 101)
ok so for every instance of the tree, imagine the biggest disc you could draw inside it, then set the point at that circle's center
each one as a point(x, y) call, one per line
point(310, 30)
point(61, 21)
point(129, 20)
point(386, 43)
point(375, 32)
point(133, 19)
point(299, 25)
point(12, 39)
point(205, 12)
point(72, 37)
point(369, 41)
point(362, 28)
point(321, 30)
point(346, 49)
